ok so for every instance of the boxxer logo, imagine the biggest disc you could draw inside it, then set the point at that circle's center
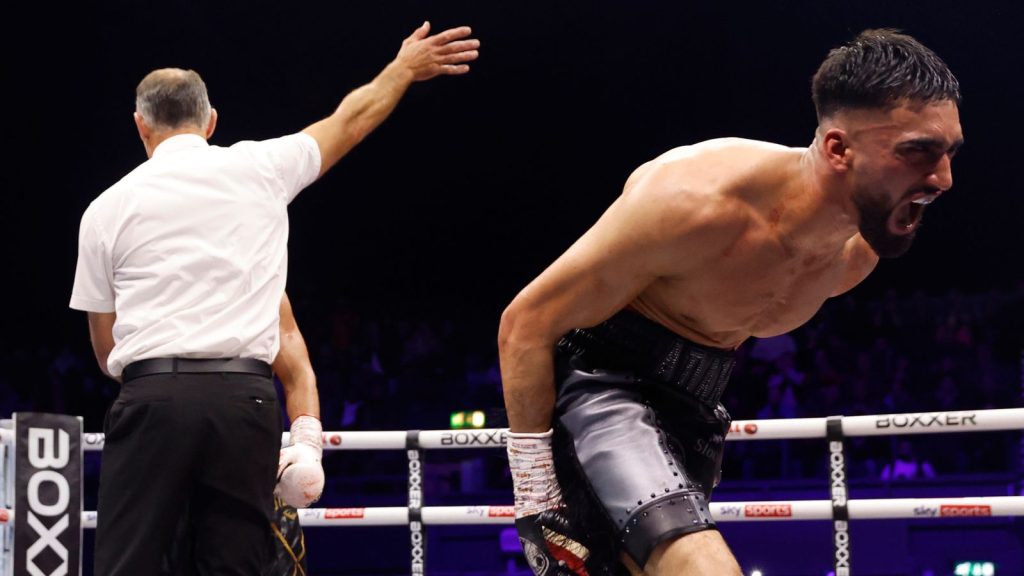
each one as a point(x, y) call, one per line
point(47, 494)
point(492, 438)
point(840, 528)
point(415, 480)
point(416, 538)
point(48, 497)
point(837, 466)
point(841, 536)
point(927, 420)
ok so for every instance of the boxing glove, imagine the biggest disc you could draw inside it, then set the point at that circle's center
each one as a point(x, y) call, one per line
point(300, 474)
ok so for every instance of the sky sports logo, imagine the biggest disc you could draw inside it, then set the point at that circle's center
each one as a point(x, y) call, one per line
point(768, 510)
point(954, 511)
point(501, 511)
point(344, 513)
point(964, 510)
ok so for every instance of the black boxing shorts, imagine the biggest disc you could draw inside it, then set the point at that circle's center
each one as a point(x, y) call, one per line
point(639, 433)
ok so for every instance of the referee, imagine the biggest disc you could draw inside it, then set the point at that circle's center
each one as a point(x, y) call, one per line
point(181, 269)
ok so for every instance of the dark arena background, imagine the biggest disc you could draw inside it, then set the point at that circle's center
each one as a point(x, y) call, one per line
point(402, 258)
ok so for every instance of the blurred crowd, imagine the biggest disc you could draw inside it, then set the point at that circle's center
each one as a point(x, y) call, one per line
point(894, 354)
point(383, 370)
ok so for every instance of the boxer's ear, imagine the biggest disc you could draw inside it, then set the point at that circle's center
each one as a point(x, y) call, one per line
point(835, 145)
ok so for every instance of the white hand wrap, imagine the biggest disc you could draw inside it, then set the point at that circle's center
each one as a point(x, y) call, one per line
point(300, 475)
point(533, 473)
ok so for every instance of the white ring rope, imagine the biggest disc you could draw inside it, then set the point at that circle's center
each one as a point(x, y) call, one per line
point(774, 429)
point(881, 424)
point(773, 510)
point(787, 428)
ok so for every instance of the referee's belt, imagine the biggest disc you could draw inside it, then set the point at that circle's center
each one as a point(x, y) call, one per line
point(152, 366)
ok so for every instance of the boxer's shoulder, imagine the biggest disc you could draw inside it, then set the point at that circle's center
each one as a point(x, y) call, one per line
point(723, 167)
point(730, 149)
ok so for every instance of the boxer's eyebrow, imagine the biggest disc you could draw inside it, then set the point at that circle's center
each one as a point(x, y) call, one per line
point(935, 145)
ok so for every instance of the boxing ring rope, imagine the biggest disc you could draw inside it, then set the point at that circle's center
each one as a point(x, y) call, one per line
point(752, 511)
point(775, 429)
point(838, 509)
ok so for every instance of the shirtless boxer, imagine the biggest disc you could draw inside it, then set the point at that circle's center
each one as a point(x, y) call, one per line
point(615, 357)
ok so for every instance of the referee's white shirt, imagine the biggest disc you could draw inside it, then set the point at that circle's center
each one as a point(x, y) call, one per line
point(190, 249)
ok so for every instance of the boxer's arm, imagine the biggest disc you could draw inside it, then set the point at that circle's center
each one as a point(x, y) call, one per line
point(293, 368)
point(101, 334)
point(859, 260)
point(300, 474)
point(421, 58)
point(653, 230)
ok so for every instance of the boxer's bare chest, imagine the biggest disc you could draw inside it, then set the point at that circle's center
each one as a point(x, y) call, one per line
point(759, 286)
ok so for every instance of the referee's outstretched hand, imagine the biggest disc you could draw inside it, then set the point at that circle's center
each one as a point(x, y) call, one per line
point(447, 52)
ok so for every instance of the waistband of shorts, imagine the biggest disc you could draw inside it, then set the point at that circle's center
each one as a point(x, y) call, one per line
point(631, 341)
point(151, 366)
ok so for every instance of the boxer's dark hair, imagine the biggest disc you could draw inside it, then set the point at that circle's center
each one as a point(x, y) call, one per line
point(879, 69)
point(171, 98)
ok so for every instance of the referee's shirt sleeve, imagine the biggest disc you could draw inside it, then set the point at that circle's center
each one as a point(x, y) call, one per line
point(297, 160)
point(94, 275)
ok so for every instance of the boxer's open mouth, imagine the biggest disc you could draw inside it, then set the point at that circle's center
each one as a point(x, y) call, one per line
point(906, 217)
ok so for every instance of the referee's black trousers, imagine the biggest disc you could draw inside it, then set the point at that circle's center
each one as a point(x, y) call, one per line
point(208, 443)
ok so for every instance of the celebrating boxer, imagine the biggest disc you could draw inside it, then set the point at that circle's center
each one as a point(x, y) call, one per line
point(614, 358)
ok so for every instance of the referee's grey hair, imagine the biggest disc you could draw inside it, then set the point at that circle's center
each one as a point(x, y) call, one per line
point(171, 98)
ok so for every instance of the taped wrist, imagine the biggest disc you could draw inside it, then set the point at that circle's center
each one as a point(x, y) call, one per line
point(307, 430)
point(533, 473)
